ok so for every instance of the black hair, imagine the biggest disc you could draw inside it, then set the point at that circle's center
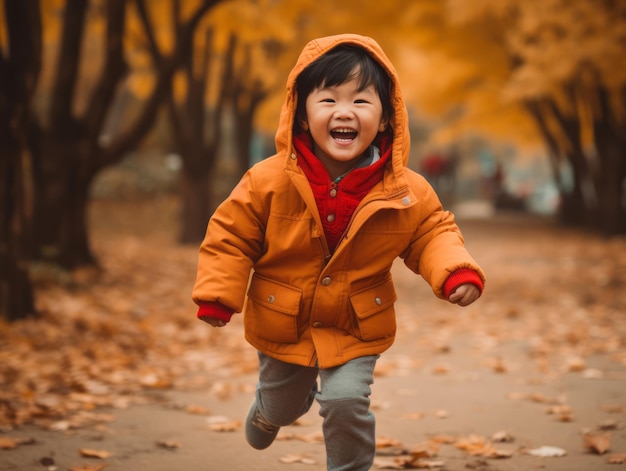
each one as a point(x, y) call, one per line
point(339, 65)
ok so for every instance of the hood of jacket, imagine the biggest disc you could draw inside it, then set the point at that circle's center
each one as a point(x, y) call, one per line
point(398, 121)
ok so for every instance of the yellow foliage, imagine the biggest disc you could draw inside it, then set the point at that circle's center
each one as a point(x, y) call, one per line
point(141, 84)
point(468, 66)
point(51, 20)
point(179, 85)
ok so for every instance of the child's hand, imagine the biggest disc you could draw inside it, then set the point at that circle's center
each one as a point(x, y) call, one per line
point(464, 295)
point(213, 321)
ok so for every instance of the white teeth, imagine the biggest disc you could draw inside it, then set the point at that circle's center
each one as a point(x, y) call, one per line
point(344, 130)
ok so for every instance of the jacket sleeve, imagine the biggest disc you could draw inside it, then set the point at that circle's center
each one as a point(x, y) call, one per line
point(438, 248)
point(233, 241)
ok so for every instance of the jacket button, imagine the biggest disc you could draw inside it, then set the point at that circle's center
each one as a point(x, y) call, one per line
point(293, 156)
point(270, 299)
point(333, 192)
point(406, 201)
point(317, 324)
point(326, 280)
point(330, 217)
point(378, 301)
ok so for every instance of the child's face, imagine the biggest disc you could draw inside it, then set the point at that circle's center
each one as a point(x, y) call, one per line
point(343, 122)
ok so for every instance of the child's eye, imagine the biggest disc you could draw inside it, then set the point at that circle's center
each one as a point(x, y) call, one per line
point(327, 100)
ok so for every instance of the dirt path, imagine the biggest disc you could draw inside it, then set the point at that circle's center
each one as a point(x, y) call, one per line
point(541, 359)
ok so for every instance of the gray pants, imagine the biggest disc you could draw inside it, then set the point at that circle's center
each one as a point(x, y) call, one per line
point(286, 391)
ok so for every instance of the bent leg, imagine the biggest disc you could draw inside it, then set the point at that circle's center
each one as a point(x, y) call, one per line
point(285, 391)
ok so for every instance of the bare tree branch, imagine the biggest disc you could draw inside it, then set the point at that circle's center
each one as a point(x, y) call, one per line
point(64, 85)
point(113, 70)
point(165, 71)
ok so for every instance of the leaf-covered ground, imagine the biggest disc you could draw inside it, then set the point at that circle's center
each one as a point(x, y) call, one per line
point(534, 370)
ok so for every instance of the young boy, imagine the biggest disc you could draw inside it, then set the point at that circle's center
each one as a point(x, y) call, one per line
point(320, 224)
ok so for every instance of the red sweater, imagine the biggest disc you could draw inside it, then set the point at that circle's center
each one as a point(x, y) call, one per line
point(336, 203)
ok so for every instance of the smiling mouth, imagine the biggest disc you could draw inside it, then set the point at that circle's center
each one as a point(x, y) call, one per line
point(343, 134)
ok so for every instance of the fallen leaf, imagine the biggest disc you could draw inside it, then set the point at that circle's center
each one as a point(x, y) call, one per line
point(598, 443)
point(500, 453)
point(47, 461)
point(609, 424)
point(441, 369)
point(232, 426)
point(60, 426)
point(477, 464)
point(444, 439)
point(217, 419)
point(561, 412)
point(575, 363)
point(497, 365)
point(197, 410)
point(547, 451)
point(154, 380)
point(293, 458)
point(385, 442)
point(90, 453)
point(476, 445)
point(7, 443)
point(169, 444)
point(593, 373)
point(221, 390)
point(427, 449)
point(616, 458)
point(502, 437)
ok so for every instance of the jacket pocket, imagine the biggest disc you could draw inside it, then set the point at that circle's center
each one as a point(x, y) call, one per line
point(374, 311)
point(272, 310)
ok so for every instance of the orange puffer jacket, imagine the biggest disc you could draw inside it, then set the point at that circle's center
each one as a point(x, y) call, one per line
point(303, 305)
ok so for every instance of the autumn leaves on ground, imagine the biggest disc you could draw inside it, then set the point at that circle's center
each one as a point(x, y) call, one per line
point(533, 376)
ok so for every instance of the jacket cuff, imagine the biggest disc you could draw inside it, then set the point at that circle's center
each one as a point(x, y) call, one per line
point(460, 277)
point(215, 310)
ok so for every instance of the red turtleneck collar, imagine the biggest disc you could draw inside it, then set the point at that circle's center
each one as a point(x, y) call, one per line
point(337, 201)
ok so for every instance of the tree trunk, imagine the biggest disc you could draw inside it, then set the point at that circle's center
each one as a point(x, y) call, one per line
point(20, 64)
point(571, 209)
point(198, 136)
point(71, 153)
point(610, 139)
point(583, 209)
point(196, 206)
point(248, 94)
point(611, 209)
point(16, 292)
point(61, 206)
